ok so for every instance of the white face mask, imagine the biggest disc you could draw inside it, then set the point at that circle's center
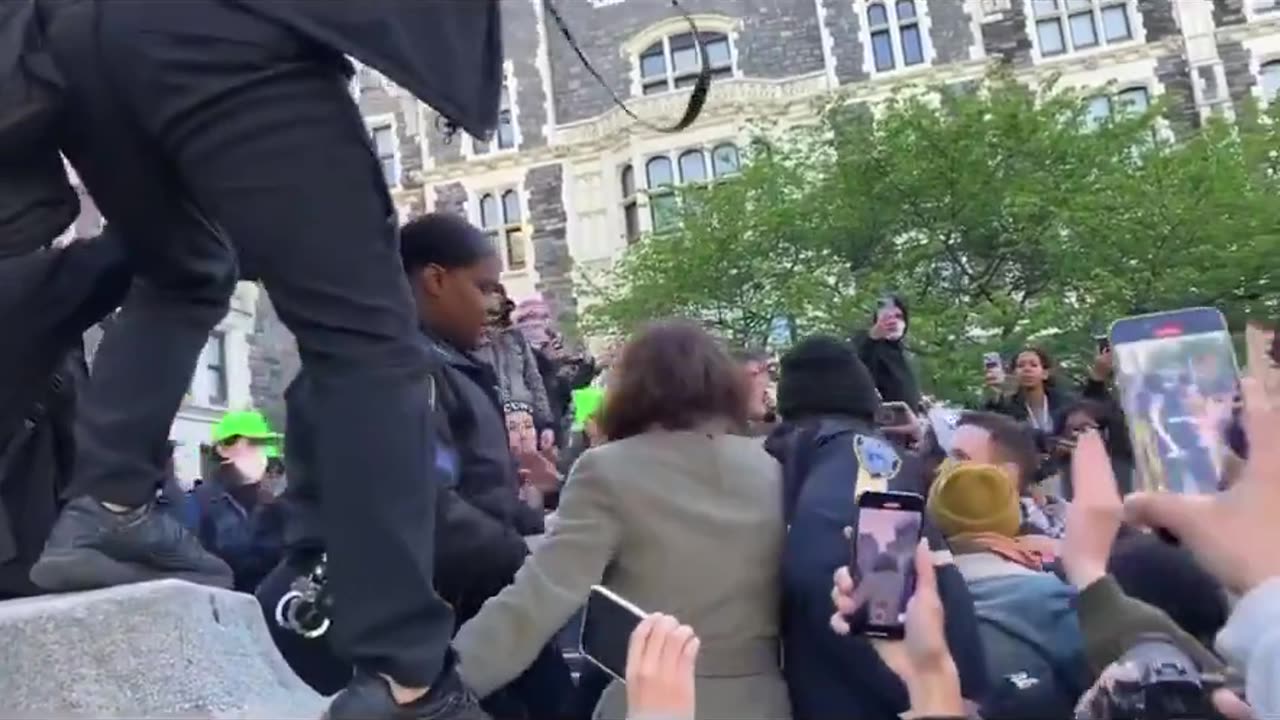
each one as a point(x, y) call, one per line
point(252, 464)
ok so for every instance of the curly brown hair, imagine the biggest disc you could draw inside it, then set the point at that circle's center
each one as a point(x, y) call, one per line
point(673, 375)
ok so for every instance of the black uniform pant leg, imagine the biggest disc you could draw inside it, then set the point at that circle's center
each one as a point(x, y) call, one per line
point(183, 276)
point(270, 144)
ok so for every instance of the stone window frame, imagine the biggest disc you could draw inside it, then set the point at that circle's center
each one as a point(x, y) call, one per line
point(1113, 96)
point(389, 123)
point(205, 397)
point(1260, 71)
point(1063, 11)
point(507, 228)
point(656, 198)
point(472, 149)
point(894, 27)
point(676, 27)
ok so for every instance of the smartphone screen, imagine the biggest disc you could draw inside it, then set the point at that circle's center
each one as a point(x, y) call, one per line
point(1179, 387)
point(606, 630)
point(883, 553)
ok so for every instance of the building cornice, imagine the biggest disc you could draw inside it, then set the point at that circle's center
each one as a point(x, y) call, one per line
point(1109, 57)
point(1247, 31)
point(741, 99)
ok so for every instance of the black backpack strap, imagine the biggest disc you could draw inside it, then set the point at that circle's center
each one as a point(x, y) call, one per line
point(700, 89)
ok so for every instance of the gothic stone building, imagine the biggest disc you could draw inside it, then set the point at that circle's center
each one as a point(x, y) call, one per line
point(568, 180)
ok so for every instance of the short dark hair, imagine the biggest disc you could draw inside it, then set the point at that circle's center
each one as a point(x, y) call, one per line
point(673, 375)
point(1014, 442)
point(442, 239)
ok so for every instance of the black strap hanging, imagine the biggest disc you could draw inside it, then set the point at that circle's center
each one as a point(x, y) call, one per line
point(697, 99)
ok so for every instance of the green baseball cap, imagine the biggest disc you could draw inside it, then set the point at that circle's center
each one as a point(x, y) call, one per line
point(249, 424)
point(587, 402)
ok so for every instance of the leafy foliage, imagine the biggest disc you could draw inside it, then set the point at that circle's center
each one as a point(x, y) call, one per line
point(1005, 214)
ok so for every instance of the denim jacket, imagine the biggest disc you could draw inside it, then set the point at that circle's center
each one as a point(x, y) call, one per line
point(250, 541)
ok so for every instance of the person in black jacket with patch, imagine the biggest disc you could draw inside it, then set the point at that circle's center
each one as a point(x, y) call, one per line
point(480, 521)
point(828, 444)
point(452, 267)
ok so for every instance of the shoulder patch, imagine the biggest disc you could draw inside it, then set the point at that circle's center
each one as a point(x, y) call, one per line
point(878, 463)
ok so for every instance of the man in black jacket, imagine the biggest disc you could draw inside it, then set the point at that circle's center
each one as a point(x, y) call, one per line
point(218, 132)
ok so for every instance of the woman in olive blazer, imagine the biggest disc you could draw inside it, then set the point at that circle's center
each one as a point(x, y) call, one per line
point(675, 514)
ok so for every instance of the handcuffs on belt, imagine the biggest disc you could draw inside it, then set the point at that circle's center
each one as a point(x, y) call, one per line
point(305, 609)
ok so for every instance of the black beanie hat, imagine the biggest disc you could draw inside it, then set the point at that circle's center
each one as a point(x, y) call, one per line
point(822, 375)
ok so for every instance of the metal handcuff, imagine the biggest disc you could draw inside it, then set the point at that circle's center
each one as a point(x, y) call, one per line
point(305, 609)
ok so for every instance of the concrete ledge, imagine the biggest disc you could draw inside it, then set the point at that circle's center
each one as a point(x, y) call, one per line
point(165, 649)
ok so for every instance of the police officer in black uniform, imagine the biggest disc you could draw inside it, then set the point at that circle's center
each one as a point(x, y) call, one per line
point(220, 136)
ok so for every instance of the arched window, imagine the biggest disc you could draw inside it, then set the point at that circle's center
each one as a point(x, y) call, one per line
point(630, 204)
point(662, 202)
point(505, 134)
point(724, 160)
point(1133, 101)
point(673, 61)
point(1270, 81)
point(658, 172)
point(696, 165)
point(500, 217)
point(693, 166)
point(1130, 102)
point(896, 38)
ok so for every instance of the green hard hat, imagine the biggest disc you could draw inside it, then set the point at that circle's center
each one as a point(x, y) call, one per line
point(248, 424)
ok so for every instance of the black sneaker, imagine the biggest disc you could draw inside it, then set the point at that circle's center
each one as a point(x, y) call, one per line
point(368, 697)
point(92, 547)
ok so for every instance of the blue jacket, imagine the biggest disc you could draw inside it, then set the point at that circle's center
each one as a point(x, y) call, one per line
point(251, 541)
point(830, 676)
point(1034, 646)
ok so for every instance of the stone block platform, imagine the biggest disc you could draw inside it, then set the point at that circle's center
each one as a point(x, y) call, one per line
point(165, 649)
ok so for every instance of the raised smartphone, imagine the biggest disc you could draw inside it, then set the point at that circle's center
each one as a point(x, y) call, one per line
point(1179, 386)
point(882, 558)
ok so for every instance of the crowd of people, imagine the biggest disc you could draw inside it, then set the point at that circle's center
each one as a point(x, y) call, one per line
point(436, 429)
point(717, 488)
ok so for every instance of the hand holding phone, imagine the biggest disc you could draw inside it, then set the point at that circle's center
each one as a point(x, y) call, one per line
point(883, 543)
point(1176, 370)
point(993, 369)
point(661, 659)
point(924, 660)
point(895, 414)
point(607, 627)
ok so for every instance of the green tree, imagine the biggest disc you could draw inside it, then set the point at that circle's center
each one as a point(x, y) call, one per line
point(739, 261)
point(1006, 215)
